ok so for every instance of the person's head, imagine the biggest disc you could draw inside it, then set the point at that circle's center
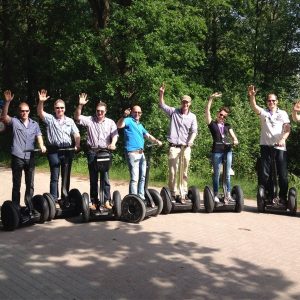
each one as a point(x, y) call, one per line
point(136, 112)
point(59, 108)
point(186, 102)
point(222, 114)
point(24, 111)
point(272, 101)
point(101, 110)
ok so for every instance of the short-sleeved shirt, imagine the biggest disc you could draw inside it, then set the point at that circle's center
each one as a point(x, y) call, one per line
point(59, 132)
point(134, 133)
point(181, 125)
point(23, 137)
point(99, 134)
point(219, 136)
point(272, 126)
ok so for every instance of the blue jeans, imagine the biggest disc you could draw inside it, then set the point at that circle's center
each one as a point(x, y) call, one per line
point(137, 168)
point(94, 176)
point(217, 160)
point(60, 161)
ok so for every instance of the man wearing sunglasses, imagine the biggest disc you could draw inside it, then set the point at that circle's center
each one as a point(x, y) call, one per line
point(134, 134)
point(221, 133)
point(25, 132)
point(60, 131)
point(182, 133)
point(102, 132)
point(275, 129)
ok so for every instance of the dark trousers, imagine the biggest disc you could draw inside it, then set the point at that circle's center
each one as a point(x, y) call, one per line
point(60, 161)
point(18, 165)
point(266, 168)
point(94, 177)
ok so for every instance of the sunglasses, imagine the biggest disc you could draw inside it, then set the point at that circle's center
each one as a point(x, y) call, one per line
point(101, 110)
point(223, 116)
point(271, 101)
point(24, 110)
point(137, 112)
point(59, 107)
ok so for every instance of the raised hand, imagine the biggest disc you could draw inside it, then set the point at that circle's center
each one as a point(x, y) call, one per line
point(83, 99)
point(251, 90)
point(8, 96)
point(215, 95)
point(162, 89)
point(297, 106)
point(127, 112)
point(43, 96)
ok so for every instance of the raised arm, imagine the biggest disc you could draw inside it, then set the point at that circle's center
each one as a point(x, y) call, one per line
point(251, 95)
point(8, 96)
point(82, 101)
point(121, 123)
point(161, 94)
point(208, 117)
point(296, 109)
point(40, 108)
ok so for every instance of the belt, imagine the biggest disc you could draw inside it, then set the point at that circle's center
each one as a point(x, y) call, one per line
point(176, 145)
point(140, 151)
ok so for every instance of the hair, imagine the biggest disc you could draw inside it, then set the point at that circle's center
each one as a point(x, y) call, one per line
point(225, 108)
point(23, 103)
point(100, 103)
point(59, 100)
point(267, 98)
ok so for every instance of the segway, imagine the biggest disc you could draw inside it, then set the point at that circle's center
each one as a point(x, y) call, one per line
point(134, 209)
point(71, 201)
point(236, 193)
point(103, 161)
point(268, 197)
point(185, 202)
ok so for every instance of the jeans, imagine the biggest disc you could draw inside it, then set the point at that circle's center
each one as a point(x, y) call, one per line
point(61, 160)
point(17, 166)
point(94, 176)
point(217, 160)
point(266, 167)
point(137, 168)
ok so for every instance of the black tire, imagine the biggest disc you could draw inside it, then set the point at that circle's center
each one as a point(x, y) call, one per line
point(133, 209)
point(194, 195)
point(260, 197)
point(167, 200)
point(75, 199)
point(9, 216)
point(292, 201)
point(51, 204)
point(117, 201)
point(238, 195)
point(85, 209)
point(40, 204)
point(157, 200)
point(209, 202)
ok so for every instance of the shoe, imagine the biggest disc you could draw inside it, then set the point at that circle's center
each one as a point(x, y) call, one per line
point(92, 206)
point(57, 205)
point(107, 205)
point(229, 199)
point(216, 199)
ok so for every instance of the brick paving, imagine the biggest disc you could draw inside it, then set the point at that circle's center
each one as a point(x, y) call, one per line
point(176, 256)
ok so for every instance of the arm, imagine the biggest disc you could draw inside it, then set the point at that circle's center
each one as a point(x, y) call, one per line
point(233, 136)
point(161, 95)
point(153, 139)
point(82, 102)
point(41, 143)
point(191, 139)
point(112, 145)
point(285, 134)
point(208, 117)
point(251, 94)
point(40, 108)
point(77, 141)
point(8, 96)
point(121, 123)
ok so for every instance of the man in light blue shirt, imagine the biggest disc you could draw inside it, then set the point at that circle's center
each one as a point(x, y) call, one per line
point(134, 133)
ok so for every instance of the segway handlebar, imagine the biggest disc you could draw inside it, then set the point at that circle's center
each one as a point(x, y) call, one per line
point(59, 149)
point(33, 150)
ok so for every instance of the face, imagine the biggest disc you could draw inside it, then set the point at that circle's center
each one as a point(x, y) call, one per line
point(222, 116)
point(272, 101)
point(24, 111)
point(136, 112)
point(100, 112)
point(59, 108)
point(185, 105)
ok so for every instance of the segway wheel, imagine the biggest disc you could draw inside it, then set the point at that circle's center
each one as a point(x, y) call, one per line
point(238, 195)
point(85, 209)
point(209, 203)
point(133, 209)
point(167, 200)
point(157, 200)
point(194, 195)
point(40, 204)
point(260, 197)
point(292, 201)
point(51, 204)
point(117, 209)
point(75, 199)
point(9, 216)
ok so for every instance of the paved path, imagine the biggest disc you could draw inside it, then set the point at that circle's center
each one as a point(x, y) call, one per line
point(176, 256)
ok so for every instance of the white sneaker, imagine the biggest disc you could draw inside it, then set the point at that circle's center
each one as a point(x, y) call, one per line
point(216, 199)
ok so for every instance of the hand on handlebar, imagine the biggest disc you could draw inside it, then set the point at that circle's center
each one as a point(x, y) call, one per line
point(111, 147)
point(43, 149)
